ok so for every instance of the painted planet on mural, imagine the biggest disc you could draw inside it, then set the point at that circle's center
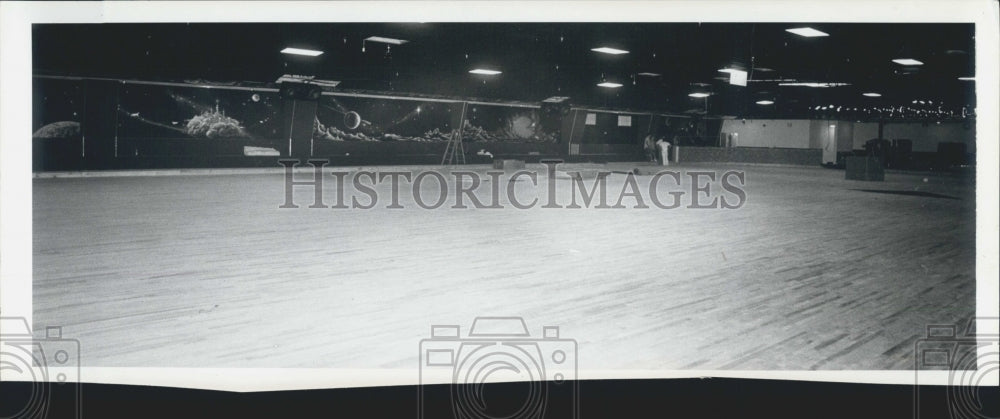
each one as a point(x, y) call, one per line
point(61, 129)
point(522, 126)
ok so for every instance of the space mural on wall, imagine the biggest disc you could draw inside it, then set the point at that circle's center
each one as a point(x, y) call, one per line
point(422, 121)
point(152, 120)
point(148, 111)
point(58, 109)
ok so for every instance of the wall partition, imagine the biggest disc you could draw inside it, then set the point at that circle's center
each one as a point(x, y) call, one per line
point(620, 135)
point(176, 121)
point(58, 111)
point(92, 124)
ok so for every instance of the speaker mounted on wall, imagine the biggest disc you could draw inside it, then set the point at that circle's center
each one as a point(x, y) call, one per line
point(295, 87)
point(556, 106)
point(300, 92)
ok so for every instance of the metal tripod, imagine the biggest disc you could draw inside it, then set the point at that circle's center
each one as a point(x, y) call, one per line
point(454, 152)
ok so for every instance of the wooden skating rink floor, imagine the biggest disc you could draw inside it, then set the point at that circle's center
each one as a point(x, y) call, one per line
point(208, 271)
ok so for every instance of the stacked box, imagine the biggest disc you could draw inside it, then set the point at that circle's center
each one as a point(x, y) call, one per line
point(864, 168)
point(506, 164)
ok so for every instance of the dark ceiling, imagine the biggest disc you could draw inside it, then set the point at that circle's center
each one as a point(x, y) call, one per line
point(540, 60)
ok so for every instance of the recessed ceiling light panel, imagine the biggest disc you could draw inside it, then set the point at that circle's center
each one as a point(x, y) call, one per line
point(609, 50)
point(813, 84)
point(907, 61)
point(609, 84)
point(385, 40)
point(301, 51)
point(737, 77)
point(484, 71)
point(807, 32)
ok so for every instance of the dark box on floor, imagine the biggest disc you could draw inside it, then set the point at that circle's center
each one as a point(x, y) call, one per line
point(864, 168)
point(508, 164)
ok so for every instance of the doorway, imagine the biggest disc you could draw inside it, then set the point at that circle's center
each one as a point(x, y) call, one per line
point(830, 144)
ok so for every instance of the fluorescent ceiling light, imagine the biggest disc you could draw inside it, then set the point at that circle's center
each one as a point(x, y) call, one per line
point(807, 32)
point(764, 69)
point(698, 95)
point(650, 74)
point(386, 40)
point(607, 50)
point(484, 71)
point(872, 94)
point(813, 84)
point(301, 51)
point(609, 84)
point(907, 61)
point(967, 78)
point(729, 70)
point(765, 102)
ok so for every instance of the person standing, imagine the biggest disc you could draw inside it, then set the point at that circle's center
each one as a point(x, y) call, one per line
point(650, 147)
point(663, 149)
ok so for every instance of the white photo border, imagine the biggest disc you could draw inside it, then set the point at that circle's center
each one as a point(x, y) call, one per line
point(15, 126)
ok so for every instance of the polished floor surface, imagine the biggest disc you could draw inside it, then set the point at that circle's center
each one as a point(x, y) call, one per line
point(812, 272)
